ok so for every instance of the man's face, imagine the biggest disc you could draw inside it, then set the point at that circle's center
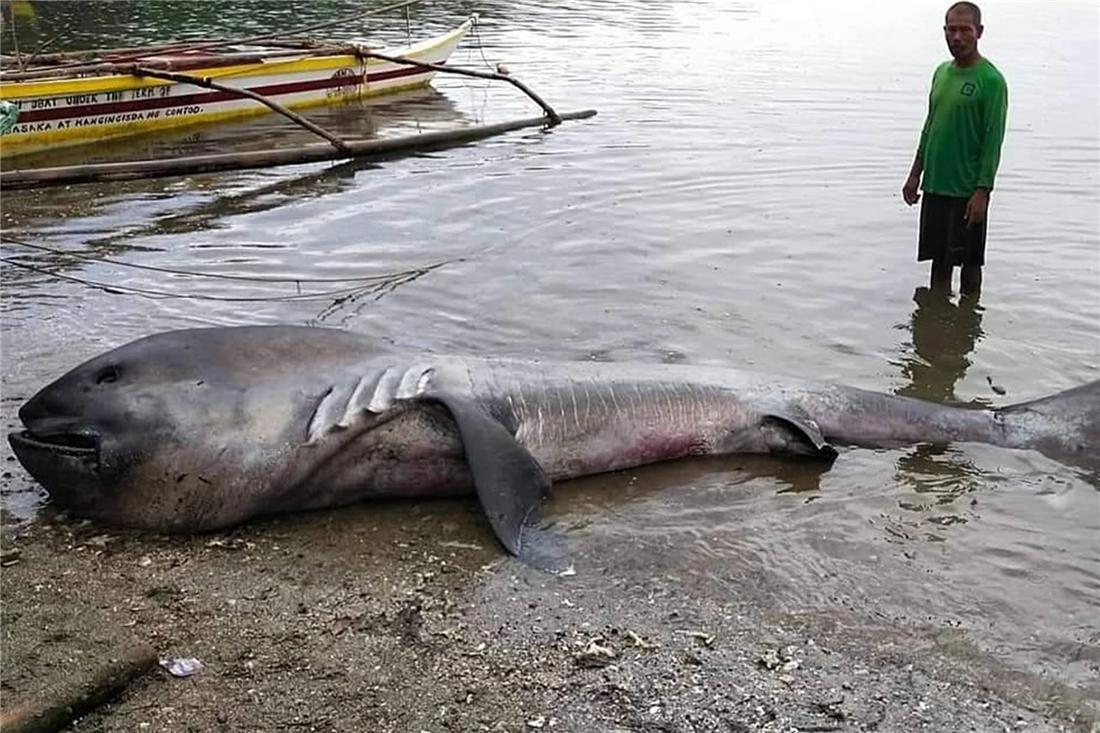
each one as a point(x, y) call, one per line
point(961, 33)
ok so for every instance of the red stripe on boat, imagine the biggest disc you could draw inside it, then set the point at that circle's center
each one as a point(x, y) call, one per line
point(184, 100)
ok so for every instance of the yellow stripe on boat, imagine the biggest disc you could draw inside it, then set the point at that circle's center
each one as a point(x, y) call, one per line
point(51, 96)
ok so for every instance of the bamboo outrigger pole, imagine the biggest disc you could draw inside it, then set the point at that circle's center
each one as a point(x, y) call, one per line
point(43, 177)
point(242, 92)
point(551, 115)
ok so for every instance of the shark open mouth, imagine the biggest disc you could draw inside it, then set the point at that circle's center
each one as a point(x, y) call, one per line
point(77, 444)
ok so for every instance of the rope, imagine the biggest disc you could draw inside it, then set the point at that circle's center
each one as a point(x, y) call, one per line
point(480, 46)
point(553, 119)
point(217, 275)
point(339, 295)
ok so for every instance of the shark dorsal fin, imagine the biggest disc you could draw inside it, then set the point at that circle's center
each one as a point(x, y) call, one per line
point(791, 432)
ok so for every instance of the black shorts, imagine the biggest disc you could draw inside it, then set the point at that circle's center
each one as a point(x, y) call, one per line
point(944, 235)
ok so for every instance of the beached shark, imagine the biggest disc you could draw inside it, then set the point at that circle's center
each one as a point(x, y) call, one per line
point(202, 429)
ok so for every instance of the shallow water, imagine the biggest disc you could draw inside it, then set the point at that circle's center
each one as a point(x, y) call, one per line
point(734, 203)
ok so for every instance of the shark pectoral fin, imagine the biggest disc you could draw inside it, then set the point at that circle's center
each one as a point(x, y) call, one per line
point(798, 434)
point(508, 480)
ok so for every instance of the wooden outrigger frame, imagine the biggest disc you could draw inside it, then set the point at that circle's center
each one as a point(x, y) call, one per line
point(76, 63)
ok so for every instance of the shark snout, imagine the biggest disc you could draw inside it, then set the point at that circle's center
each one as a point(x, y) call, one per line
point(61, 451)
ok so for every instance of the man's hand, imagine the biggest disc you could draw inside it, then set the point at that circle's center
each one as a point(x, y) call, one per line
point(911, 190)
point(976, 208)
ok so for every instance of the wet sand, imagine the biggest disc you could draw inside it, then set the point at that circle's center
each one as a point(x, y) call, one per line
point(406, 617)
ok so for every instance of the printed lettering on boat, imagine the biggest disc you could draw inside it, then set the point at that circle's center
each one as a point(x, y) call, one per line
point(149, 92)
point(82, 99)
point(193, 109)
point(112, 119)
point(347, 85)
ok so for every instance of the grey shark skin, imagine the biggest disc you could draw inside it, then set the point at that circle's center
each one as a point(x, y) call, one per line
point(202, 429)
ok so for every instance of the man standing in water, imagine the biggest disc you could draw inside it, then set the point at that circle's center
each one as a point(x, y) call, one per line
point(960, 148)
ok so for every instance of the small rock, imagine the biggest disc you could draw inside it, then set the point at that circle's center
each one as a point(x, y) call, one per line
point(340, 625)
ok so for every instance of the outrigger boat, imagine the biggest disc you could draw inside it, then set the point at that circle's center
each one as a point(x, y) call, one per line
point(70, 99)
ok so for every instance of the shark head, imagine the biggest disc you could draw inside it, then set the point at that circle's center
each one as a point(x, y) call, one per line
point(177, 431)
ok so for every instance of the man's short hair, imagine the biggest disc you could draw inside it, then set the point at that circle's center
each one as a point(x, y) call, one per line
point(975, 11)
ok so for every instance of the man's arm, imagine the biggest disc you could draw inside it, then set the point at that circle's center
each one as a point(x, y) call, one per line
point(995, 116)
point(911, 190)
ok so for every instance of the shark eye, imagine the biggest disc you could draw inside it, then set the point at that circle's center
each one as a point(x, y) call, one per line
point(107, 375)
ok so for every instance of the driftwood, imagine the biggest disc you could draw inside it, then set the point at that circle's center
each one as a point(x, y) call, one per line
point(54, 709)
point(241, 92)
point(43, 177)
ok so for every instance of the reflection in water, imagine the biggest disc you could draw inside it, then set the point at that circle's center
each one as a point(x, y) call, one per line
point(937, 470)
point(405, 113)
point(800, 476)
point(943, 336)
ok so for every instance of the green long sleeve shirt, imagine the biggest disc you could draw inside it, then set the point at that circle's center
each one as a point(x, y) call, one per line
point(960, 144)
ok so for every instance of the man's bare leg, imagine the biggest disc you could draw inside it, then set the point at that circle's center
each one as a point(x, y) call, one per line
point(970, 281)
point(940, 280)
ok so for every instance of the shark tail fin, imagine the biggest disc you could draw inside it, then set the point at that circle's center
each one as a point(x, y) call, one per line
point(1066, 424)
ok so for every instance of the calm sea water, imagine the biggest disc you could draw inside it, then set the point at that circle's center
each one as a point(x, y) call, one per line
point(734, 203)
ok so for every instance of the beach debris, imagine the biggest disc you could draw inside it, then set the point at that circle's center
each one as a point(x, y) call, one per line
point(701, 636)
point(768, 659)
point(594, 654)
point(830, 708)
point(100, 541)
point(638, 641)
point(782, 660)
point(995, 387)
point(10, 557)
point(231, 543)
point(461, 545)
point(181, 667)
